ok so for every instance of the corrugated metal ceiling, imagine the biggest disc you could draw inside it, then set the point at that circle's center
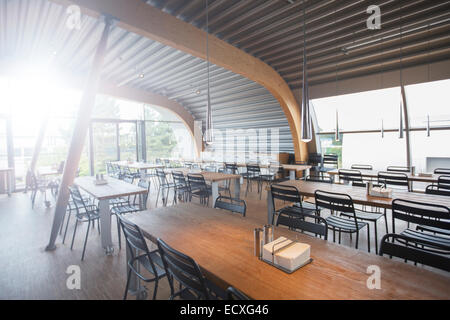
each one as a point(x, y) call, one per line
point(272, 31)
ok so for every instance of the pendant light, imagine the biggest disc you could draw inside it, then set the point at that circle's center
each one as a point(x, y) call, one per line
point(336, 134)
point(208, 134)
point(382, 129)
point(400, 128)
point(428, 125)
point(306, 114)
point(429, 78)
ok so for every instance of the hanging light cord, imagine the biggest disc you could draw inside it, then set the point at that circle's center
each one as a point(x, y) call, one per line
point(207, 43)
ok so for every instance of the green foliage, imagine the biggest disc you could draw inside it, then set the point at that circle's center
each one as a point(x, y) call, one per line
point(161, 140)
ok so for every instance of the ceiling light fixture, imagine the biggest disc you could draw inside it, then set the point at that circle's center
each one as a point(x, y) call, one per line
point(208, 134)
point(306, 135)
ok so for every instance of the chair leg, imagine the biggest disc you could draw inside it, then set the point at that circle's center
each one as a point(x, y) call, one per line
point(357, 239)
point(368, 238)
point(74, 231)
point(385, 221)
point(155, 289)
point(157, 196)
point(118, 232)
point(85, 240)
point(334, 234)
point(376, 238)
point(339, 236)
point(67, 225)
point(127, 285)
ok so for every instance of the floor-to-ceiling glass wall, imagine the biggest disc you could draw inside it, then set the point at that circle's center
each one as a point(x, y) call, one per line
point(357, 115)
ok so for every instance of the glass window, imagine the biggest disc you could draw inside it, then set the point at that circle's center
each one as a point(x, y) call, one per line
point(3, 146)
point(104, 145)
point(127, 141)
point(359, 111)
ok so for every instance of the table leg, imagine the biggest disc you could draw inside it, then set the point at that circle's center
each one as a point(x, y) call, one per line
point(105, 226)
point(237, 188)
point(270, 208)
point(215, 192)
point(291, 174)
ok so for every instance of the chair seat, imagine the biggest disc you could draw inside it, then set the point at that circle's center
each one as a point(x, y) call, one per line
point(306, 205)
point(117, 201)
point(363, 215)
point(433, 229)
point(157, 262)
point(344, 223)
point(440, 240)
point(267, 177)
point(126, 208)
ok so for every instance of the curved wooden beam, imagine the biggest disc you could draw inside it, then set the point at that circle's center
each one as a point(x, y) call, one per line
point(143, 19)
point(154, 99)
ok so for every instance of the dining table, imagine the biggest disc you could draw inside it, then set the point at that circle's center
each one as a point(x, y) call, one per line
point(142, 167)
point(114, 188)
point(358, 194)
point(222, 243)
point(214, 178)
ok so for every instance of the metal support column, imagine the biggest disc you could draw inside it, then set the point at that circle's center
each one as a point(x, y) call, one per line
point(79, 136)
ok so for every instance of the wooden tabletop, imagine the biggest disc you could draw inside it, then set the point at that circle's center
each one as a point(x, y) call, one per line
point(209, 176)
point(222, 244)
point(115, 188)
point(374, 174)
point(138, 165)
point(359, 194)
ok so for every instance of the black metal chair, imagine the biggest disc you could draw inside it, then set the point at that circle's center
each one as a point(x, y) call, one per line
point(186, 271)
point(428, 218)
point(393, 179)
point(362, 167)
point(235, 294)
point(181, 185)
point(274, 171)
point(341, 203)
point(398, 169)
point(226, 185)
point(290, 194)
point(198, 188)
point(231, 204)
point(407, 248)
point(291, 219)
point(350, 176)
point(164, 187)
point(442, 171)
point(142, 256)
point(129, 206)
point(253, 174)
point(435, 189)
point(233, 167)
point(38, 185)
point(84, 213)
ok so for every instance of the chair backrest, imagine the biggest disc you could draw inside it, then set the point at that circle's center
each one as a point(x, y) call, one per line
point(230, 204)
point(337, 202)
point(434, 189)
point(315, 159)
point(285, 193)
point(288, 217)
point(426, 214)
point(444, 182)
point(398, 169)
point(210, 169)
point(407, 248)
point(135, 240)
point(128, 179)
point(78, 201)
point(235, 294)
point(179, 179)
point(231, 166)
point(350, 175)
point(196, 181)
point(161, 176)
point(184, 269)
point(442, 171)
point(324, 179)
point(393, 179)
point(253, 170)
point(362, 166)
point(331, 159)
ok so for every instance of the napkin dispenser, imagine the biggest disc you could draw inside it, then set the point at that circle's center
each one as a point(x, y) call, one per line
point(100, 180)
point(381, 192)
point(287, 254)
point(425, 174)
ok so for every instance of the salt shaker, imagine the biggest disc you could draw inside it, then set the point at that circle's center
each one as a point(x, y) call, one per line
point(268, 233)
point(258, 234)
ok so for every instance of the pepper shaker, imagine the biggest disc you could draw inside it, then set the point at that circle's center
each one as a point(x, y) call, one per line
point(258, 236)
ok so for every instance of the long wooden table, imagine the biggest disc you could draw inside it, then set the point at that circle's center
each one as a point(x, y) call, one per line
point(214, 178)
point(103, 193)
point(358, 194)
point(140, 166)
point(222, 244)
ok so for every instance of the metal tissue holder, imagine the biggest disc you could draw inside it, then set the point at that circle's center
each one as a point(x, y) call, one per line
point(273, 264)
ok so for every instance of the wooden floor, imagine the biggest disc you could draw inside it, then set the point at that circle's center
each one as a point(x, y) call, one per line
point(30, 272)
